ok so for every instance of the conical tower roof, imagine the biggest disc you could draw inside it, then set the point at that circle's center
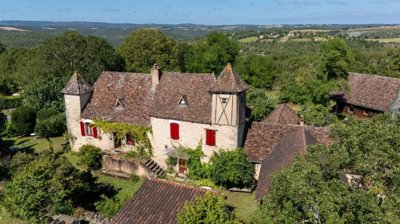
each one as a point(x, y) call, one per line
point(229, 82)
point(77, 86)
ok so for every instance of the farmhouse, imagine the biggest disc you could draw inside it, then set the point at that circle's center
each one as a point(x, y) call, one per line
point(369, 95)
point(273, 143)
point(180, 109)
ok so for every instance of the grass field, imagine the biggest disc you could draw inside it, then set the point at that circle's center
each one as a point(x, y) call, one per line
point(248, 40)
point(35, 143)
point(243, 203)
point(386, 41)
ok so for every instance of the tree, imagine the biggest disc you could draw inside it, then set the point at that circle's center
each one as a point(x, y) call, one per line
point(47, 185)
point(145, 47)
point(2, 48)
point(90, 156)
point(336, 58)
point(207, 209)
point(317, 115)
point(52, 126)
point(310, 190)
point(23, 120)
point(231, 169)
point(212, 53)
point(260, 102)
point(258, 71)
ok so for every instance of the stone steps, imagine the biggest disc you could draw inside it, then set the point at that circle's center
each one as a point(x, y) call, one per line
point(154, 167)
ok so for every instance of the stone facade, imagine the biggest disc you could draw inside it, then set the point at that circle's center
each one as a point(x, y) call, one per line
point(220, 110)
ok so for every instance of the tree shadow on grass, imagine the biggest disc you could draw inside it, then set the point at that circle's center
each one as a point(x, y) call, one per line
point(97, 194)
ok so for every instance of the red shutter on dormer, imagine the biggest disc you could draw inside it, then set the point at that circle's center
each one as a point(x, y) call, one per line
point(174, 130)
point(210, 137)
point(82, 128)
point(94, 132)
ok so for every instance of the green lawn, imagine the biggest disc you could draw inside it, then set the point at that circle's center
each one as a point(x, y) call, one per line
point(244, 204)
point(126, 188)
point(36, 143)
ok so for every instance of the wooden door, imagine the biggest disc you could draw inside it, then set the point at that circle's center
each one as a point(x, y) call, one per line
point(182, 166)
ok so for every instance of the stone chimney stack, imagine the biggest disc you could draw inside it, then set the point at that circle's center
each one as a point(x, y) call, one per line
point(155, 76)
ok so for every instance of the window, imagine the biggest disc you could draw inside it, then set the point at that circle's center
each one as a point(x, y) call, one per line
point(174, 129)
point(183, 101)
point(87, 129)
point(224, 100)
point(210, 137)
point(130, 140)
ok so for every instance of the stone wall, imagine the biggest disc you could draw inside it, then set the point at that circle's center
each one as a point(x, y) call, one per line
point(190, 134)
point(118, 164)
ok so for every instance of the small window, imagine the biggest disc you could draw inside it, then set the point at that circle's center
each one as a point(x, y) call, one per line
point(174, 131)
point(210, 137)
point(224, 100)
point(119, 103)
point(130, 140)
point(88, 129)
point(183, 101)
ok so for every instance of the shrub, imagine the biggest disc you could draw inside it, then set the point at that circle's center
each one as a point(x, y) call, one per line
point(23, 120)
point(197, 169)
point(52, 126)
point(171, 163)
point(90, 156)
point(10, 102)
point(317, 115)
point(231, 169)
point(46, 113)
point(19, 161)
point(108, 206)
point(134, 178)
point(206, 209)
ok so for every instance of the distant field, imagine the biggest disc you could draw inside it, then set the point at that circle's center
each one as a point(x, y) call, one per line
point(301, 39)
point(248, 40)
point(311, 31)
point(284, 39)
point(9, 28)
point(375, 28)
point(386, 41)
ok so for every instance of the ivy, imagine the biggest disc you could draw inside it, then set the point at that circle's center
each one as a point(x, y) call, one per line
point(121, 130)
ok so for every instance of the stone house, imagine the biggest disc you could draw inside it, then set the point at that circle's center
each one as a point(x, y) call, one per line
point(182, 109)
point(274, 142)
point(369, 95)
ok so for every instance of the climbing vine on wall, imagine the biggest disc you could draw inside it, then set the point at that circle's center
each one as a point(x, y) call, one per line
point(121, 130)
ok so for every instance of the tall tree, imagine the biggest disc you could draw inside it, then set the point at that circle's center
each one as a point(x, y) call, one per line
point(45, 186)
point(336, 58)
point(145, 47)
point(212, 53)
point(258, 71)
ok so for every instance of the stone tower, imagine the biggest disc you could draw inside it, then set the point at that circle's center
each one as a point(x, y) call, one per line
point(77, 94)
point(229, 102)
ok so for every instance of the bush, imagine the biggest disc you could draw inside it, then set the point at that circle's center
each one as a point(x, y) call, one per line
point(52, 126)
point(231, 169)
point(171, 163)
point(197, 169)
point(46, 113)
point(90, 156)
point(134, 178)
point(23, 120)
point(108, 206)
point(206, 209)
point(19, 161)
point(10, 102)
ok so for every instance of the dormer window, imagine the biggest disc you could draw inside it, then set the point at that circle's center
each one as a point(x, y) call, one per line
point(183, 101)
point(119, 103)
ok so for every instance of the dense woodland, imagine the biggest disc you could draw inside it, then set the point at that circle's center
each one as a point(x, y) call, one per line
point(301, 73)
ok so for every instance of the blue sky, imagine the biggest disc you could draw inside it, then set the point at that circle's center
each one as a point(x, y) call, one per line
point(205, 11)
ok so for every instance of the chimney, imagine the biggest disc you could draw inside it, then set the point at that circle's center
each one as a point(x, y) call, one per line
point(155, 76)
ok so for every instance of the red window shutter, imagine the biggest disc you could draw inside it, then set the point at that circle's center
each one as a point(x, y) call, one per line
point(94, 132)
point(82, 128)
point(174, 130)
point(210, 137)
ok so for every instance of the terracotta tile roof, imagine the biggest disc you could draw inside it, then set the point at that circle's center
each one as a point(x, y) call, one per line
point(132, 90)
point(76, 86)
point(229, 82)
point(193, 88)
point(282, 115)
point(281, 156)
point(372, 91)
point(157, 201)
point(263, 137)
